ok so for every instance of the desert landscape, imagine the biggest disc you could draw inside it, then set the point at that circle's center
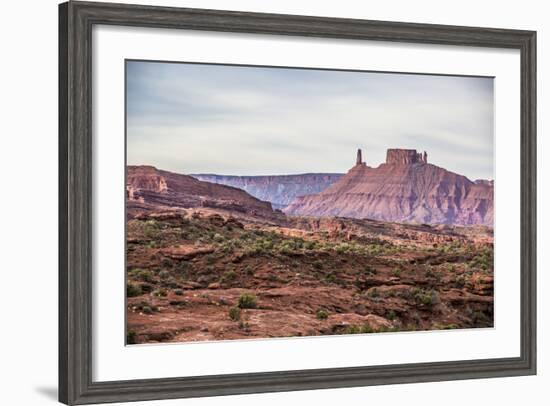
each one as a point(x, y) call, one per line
point(402, 245)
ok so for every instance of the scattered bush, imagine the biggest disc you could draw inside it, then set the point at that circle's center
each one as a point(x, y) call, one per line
point(369, 270)
point(330, 278)
point(228, 277)
point(166, 262)
point(273, 278)
point(210, 259)
point(181, 269)
point(143, 275)
point(392, 293)
point(146, 288)
point(460, 281)
point(443, 326)
point(178, 292)
point(365, 329)
point(322, 314)
point(310, 245)
point(160, 293)
point(426, 298)
point(480, 318)
point(132, 290)
point(131, 337)
point(396, 272)
point(384, 329)
point(373, 293)
point(244, 325)
point(391, 315)
point(163, 275)
point(353, 330)
point(247, 301)
point(235, 313)
point(147, 310)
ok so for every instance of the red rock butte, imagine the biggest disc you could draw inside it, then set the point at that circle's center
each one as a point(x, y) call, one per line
point(406, 188)
point(397, 156)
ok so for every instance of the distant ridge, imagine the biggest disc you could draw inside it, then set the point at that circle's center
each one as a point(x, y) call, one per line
point(279, 190)
point(149, 188)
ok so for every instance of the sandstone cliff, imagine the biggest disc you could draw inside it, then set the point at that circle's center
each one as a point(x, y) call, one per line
point(279, 190)
point(405, 189)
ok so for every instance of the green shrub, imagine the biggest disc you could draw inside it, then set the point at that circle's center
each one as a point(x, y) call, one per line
point(369, 270)
point(426, 298)
point(384, 329)
point(391, 293)
point(353, 330)
point(143, 275)
point(132, 290)
point(391, 315)
point(373, 293)
point(443, 326)
point(181, 269)
point(235, 313)
point(160, 293)
point(164, 275)
point(247, 301)
point(396, 272)
point(178, 292)
point(228, 277)
point(479, 317)
point(166, 262)
point(365, 329)
point(146, 288)
point(322, 314)
point(342, 248)
point(309, 245)
point(273, 278)
point(147, 310)
point(131, 337)
point(460, 281)
point(330, 278)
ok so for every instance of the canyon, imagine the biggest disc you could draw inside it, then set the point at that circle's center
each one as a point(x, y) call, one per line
point(279, 190)
point(405, 246)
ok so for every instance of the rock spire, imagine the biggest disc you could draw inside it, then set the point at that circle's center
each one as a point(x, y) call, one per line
point(359, 159)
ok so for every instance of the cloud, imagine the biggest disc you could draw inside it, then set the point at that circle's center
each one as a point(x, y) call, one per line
point(193, 118)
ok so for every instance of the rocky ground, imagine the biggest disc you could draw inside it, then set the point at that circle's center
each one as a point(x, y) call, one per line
point(208, 274)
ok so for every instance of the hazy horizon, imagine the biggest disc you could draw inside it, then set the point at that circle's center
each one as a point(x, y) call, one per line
point(254, 121)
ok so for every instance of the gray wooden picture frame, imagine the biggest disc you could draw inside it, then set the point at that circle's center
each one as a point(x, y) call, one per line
point(76, 20)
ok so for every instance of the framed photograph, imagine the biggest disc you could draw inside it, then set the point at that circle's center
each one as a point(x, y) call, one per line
point(258, 202)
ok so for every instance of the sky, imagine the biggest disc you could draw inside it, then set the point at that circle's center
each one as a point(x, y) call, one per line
point(242, 120)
